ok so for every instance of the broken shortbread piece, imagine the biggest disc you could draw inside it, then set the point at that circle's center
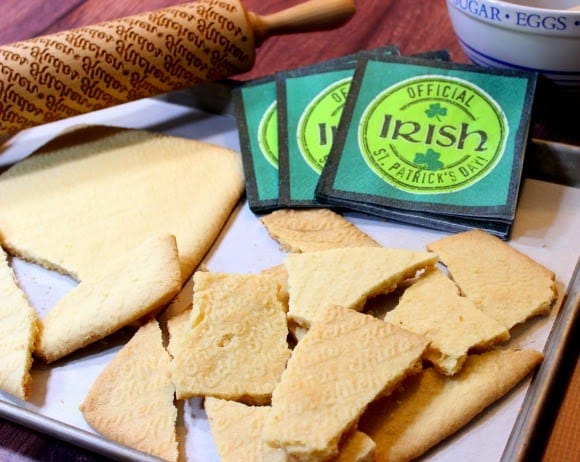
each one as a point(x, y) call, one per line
point(433, 307)
point(429, 407)
point(346, 277)
point(314, 229)
point(18, 331)
point(502, 282)
point(345, 361)
point(237, 431)
point(235, 346)
point(128, 288)
point(131, 402)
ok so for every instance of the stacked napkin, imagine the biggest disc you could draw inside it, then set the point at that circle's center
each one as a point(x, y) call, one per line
point(417, 139)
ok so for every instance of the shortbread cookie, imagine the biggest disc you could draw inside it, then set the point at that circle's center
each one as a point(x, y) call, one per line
point(502, 282)
point(430, 407)
point(346, 360)
point(131, 402)
point(346, 277)
point(314, 229)
point(237, 431)
point(18, 331)
point(90, 195)
point(236, 344)
point(128, 288)
point(433, 307)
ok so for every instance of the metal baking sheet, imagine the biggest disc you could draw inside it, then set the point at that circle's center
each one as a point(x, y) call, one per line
point(546, 229)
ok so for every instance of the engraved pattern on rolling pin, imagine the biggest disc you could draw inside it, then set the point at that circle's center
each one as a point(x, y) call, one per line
point(72, 72)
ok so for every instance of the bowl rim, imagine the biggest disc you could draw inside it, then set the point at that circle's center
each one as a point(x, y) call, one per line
point(515, 6)
point(572, 29)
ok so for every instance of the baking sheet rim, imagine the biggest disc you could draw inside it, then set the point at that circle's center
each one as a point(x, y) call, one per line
point(70, 434)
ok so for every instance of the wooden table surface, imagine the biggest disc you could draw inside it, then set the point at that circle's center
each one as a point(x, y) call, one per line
point(414, 26)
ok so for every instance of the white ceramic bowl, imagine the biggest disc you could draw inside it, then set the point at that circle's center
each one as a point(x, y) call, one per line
point(521, 34)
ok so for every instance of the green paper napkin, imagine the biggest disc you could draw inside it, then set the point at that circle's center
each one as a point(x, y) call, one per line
point(431, 139)
point(310, 103)
point(256, 112)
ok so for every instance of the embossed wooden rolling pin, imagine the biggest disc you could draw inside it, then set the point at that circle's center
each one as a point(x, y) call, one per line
point(73, 72)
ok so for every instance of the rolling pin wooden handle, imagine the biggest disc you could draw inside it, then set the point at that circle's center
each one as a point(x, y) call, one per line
point(312, 15)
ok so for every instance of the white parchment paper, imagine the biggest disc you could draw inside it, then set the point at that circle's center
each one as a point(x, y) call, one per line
point(546, 229)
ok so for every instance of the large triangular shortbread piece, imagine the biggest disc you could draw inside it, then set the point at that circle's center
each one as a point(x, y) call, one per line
point(433, 307)
point(132, 400)
point(18, 331)
point(346, 277)
point(133, 285)
point(236, 344)
point(502, 282)
point(345, 361)
point(430, 407)
point(314, 229)
point(91, 194)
